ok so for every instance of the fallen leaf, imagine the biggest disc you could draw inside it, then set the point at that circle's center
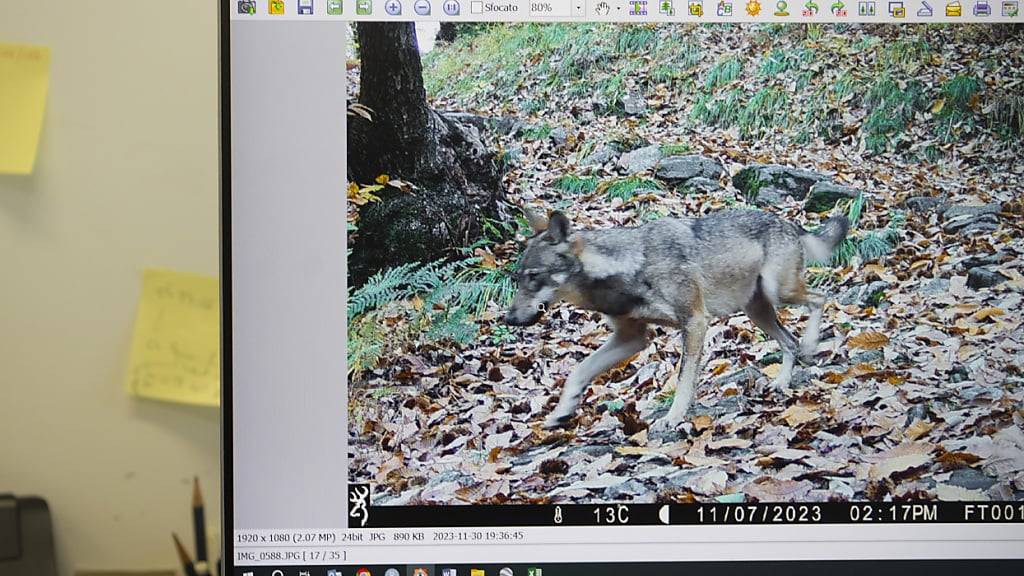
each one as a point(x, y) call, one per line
point(919, 428)
point(985, 313)
point(772, 370)
point(869, 340)
point(702, 422)
point(797, 414)
point(950, 493)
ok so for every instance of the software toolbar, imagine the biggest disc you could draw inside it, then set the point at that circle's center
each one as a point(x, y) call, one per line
point(810, 11)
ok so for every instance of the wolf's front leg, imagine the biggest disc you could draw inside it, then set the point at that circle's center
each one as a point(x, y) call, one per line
point(693, 346)
point(629, 338)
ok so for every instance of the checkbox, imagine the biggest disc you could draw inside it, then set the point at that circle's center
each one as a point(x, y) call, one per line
point(476, 7)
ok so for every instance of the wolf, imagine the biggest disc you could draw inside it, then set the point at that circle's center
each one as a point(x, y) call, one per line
point(675, 272)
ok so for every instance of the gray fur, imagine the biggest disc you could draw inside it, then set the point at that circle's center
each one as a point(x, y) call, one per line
point(677, 272)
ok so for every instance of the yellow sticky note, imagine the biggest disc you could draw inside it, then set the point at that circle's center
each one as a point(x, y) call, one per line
point(176, 347)
point(24, 79)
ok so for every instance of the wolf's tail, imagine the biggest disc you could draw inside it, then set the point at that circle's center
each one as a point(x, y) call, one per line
point(818, 245)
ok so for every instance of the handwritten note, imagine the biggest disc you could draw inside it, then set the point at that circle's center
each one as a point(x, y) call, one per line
point(24, 79)
point(176, 347)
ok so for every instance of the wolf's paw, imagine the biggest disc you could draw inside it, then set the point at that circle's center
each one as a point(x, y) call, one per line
point(666, 426)
point(807, 353)
point(556, 420)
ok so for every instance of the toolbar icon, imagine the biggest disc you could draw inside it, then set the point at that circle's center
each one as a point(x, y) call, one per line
point(696, 8)
point(897, 9)
point(866, 8)
point(477, 572)
point(724, 9)
point(305, 7)
point(838, 9)
point(391, 572)
point(334, 573)
point(638, 7)
point(1011, 8)
point(753, 7)
point(360, 572)
point(781, 8)
point(334, 7)
point(422, 7)
point(364, 7)
point(665, 7)
point(449, 572)
point(810, 9)
point(247, 7)
point(393, 7)
point(982, 8)
point(452, 7)
point(925, 11)
point(275, 7)
point(954, 9)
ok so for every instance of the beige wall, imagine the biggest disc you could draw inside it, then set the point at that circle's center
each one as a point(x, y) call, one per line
point(126, 179)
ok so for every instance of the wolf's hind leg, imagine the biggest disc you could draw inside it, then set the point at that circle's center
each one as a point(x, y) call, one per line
point(763, 315)
point(809, 341)
point(693, 347)
point(629, 338)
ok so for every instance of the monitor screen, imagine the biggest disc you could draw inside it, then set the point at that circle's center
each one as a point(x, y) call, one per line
point(561, 287)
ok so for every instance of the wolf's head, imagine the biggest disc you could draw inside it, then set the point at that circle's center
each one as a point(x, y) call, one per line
point(546, 265)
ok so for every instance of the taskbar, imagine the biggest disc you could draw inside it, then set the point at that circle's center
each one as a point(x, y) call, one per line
point(639, 567)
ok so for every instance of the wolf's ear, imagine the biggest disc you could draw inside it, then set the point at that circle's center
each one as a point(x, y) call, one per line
point(536, 220)
point(559, 227)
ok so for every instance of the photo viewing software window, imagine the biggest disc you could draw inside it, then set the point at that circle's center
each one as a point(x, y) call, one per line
point(558, 287)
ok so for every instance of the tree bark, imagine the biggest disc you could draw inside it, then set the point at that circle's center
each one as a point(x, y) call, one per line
point(457, 183)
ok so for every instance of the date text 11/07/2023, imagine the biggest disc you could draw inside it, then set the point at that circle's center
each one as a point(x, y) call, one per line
point(868, 512)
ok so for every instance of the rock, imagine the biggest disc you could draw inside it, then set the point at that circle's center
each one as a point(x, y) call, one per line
point(983, 260)
point(625, 491)
point(680, 168)
point(823, 196)
point(935, 286)
point(683, 479)
point(597, 450)
point(634, 104)
point(484, 123)
point(770, 196)
point(794, 182)
point(641, 159)
point(967, 219)
point(863, 295)
point(966, 224)
point(868, 357)
point(745, 375)
point(600, 156)
point(971, 479)
point(959, 210)
point(703, 185)
point(982, 277)
point(924, 204)
point(559, 136)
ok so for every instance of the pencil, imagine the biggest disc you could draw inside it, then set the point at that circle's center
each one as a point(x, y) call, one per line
point(202, 565)
point(186, 563)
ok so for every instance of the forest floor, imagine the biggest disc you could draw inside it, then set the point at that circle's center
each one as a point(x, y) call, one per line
point(917, 389)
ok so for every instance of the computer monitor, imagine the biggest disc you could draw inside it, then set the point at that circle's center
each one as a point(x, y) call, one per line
point(542, 288)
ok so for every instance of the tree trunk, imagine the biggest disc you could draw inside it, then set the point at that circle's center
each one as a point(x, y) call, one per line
point(447, 32)
point(457, 183)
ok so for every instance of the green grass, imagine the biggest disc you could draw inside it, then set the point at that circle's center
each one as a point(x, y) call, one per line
point(722, 111)
point(626, 188)
point(960, 94)
point(767, 109)
point(892, 108)
point(905, 53)
point(574, 184)
point(637, 38)
point(723, 72)
point(676, 149)
point(1008, 115)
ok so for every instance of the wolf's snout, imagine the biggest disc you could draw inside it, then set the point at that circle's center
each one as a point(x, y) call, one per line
point(517, 318)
